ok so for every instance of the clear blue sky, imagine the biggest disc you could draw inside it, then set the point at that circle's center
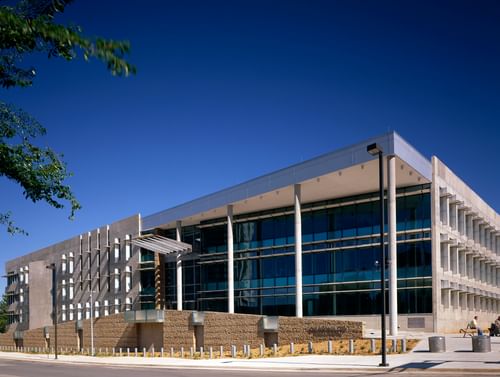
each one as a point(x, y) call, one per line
point(229, 90)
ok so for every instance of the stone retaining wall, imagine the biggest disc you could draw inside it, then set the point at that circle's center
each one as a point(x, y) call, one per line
point(219, 329)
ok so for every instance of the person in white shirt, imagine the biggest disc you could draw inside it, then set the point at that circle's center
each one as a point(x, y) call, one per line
point(474, 325)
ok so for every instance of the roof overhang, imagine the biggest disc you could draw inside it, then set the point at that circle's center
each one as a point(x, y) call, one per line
point(162, 245)
point(345, 172)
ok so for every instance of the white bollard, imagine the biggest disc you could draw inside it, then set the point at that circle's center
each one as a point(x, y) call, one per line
point(191, 352)
point(292, 348)
point(233, 351)
point(261, 350)
point(144, 352)
point(182, 352)
point(372, 345)
point(351, 346)
point(275, 349)
point(201, 353)
point(171, 351)
point(403, 345)
point(210, 353)
point(221, 352)
point(310, 347)
point(330, 347)
point(161, 352)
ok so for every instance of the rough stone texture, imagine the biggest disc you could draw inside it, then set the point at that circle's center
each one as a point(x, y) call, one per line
point(34, 338)
point(220, 329)
point(177, 330)
point(223, 329)
point(7, 339)
point(238, 329)
point(111, 331)
point(308, 329)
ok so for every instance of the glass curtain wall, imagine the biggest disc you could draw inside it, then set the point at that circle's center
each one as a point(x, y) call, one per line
point(341, 255)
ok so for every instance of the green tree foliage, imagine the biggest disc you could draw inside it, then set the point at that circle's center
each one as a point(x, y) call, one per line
point(25, 28)
point(4, 319)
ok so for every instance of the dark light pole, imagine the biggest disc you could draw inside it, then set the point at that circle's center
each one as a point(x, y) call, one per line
point(375, 149)
point(52, 267)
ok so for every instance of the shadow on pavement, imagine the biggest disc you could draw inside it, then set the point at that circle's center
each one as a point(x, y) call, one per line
point(420, 365)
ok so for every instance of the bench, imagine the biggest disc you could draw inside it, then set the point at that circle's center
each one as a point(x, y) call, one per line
point(468, 331)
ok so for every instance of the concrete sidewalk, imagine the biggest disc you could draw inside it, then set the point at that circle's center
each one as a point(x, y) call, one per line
point(458, 357)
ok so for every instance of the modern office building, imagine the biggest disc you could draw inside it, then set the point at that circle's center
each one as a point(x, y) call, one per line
point(301, 241)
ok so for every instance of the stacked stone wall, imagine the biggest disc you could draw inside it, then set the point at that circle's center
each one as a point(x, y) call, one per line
point(219, 329)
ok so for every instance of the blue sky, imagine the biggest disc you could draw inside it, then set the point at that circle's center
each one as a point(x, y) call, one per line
point(229, 90)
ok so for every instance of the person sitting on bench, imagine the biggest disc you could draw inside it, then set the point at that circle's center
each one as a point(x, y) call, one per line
point(495, 327)
point(474, 325)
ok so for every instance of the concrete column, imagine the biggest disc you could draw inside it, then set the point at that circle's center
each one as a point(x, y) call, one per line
point(178, 232)
point(479, 232)
point(469, 227)
point(454, 299)
point(393, 251)
point(470, 302)
point(444, 210)
point(453, 215)
point(475, 234)
point(230, 260)
point(470, 266)
point(482, 267)
point(461, 262)
point(445, 298)
point(445, 256)
point(477, 268)
point(454, 259)
point(298, 251)
point(461, 221)
point(462, 297)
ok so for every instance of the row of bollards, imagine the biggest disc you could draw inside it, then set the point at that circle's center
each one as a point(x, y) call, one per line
point(201, 353)
point(480, 343)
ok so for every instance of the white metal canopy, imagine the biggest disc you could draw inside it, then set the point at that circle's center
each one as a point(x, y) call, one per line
point(162, 245)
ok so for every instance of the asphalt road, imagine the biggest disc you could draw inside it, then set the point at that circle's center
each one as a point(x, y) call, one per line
point(15, 368)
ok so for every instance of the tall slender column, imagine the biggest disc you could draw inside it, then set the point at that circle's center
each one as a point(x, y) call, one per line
point(393, 251)
point(469, 227)
point(444, 210)
point(178, 230)
point(230, 260)
point(453, 214)
point(298, 252)
point(445, 256)
point(462, 268)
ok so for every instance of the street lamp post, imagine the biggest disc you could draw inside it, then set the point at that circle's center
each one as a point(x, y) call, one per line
point(374, 149)
point(52, 267)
